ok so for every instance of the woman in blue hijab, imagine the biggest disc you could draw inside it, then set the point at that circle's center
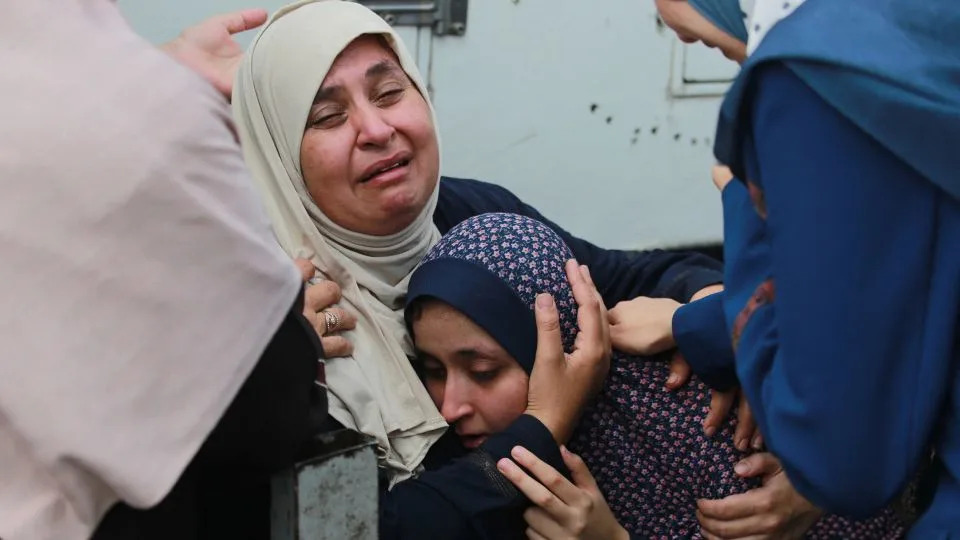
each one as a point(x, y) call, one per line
point(843, 276)
point(470, 313)
point(643, 456)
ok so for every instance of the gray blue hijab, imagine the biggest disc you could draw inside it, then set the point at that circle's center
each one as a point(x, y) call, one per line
point(892, 67)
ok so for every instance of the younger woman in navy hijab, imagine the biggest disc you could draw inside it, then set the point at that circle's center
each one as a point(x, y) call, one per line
point(470, 309)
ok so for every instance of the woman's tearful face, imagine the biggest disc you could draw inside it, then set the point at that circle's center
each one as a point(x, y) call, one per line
point(369, 154)
point(479, 388)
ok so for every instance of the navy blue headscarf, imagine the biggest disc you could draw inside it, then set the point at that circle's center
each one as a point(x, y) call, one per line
point(491, 268)
point(892, 67)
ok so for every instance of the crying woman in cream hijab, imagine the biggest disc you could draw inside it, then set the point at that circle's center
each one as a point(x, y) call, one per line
point(339, 133)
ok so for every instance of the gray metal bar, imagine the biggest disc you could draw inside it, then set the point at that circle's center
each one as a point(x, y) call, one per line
point(445, 17)
point(330, 496)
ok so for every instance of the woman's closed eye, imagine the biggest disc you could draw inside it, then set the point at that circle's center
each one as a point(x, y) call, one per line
point(436, 371)
point(484, 375)
point(328, 117)
point(388, 95)
point(432, 370)
point(333, 116)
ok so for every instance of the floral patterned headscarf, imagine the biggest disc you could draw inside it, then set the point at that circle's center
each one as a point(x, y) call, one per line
point(491, 268)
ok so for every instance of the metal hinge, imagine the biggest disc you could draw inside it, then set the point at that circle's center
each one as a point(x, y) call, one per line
point(446, 17)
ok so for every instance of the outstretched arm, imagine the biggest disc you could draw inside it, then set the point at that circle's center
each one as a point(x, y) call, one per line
point(208, 47)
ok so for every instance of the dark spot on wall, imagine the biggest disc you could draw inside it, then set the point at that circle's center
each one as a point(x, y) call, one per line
point(633, 140)
point(609, 119)
point(693, 141)
point(636, 131)
point(593, 107)
point(676, 137)
point(653, 130)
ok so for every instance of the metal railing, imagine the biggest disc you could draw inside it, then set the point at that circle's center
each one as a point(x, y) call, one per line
point(332, 495)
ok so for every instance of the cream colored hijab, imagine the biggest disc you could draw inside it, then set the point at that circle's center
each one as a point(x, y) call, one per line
point(139, 277)
point(376, 391)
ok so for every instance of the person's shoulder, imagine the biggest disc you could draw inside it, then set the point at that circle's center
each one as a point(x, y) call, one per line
point(485, 196)
point(462, 198)
point(468, 186)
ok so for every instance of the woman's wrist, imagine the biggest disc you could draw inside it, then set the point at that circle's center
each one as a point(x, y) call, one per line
point(669, 337)
point(554, 424)
point(706, 291)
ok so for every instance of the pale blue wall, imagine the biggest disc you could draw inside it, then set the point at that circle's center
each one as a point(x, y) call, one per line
point(513, 98)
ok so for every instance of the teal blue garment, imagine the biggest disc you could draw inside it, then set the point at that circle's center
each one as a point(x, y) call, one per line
point(892, 67)
point(725, 14)
point(845, 309)
point(699, 328)
point(844, 123)
point(701, 334)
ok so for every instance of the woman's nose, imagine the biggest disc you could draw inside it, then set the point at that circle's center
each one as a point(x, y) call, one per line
point(373, 130)
point(456, 403)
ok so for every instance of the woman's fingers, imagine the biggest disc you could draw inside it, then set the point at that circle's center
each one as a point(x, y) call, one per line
point(740, 528)
point(735, 507)
point(535, 491)
point(762, 464)
point(559, 386)
point(680, 372)
point(549, 339)
point(547, 475)
point(241, 21)
point(317, 298)
point(757, 440)
point(720, 403)
point(336, 346)
point(590, 315)
point(746, 426)
point(543, 525)
point(344, 319)
point(321, 295)
point(578, 470)
point(532, 534)
point(307, 270)
point(643, 325)
point(590, 359)
point(604, 314)
point(747, 430)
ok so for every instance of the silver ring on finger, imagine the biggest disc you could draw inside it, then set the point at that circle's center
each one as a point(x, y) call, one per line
point(331, 320)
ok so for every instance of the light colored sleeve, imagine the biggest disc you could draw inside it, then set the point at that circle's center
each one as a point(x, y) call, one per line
point(140, 279)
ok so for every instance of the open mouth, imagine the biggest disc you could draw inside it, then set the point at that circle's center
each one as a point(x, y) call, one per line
point(472, 441)
point(386, 168)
